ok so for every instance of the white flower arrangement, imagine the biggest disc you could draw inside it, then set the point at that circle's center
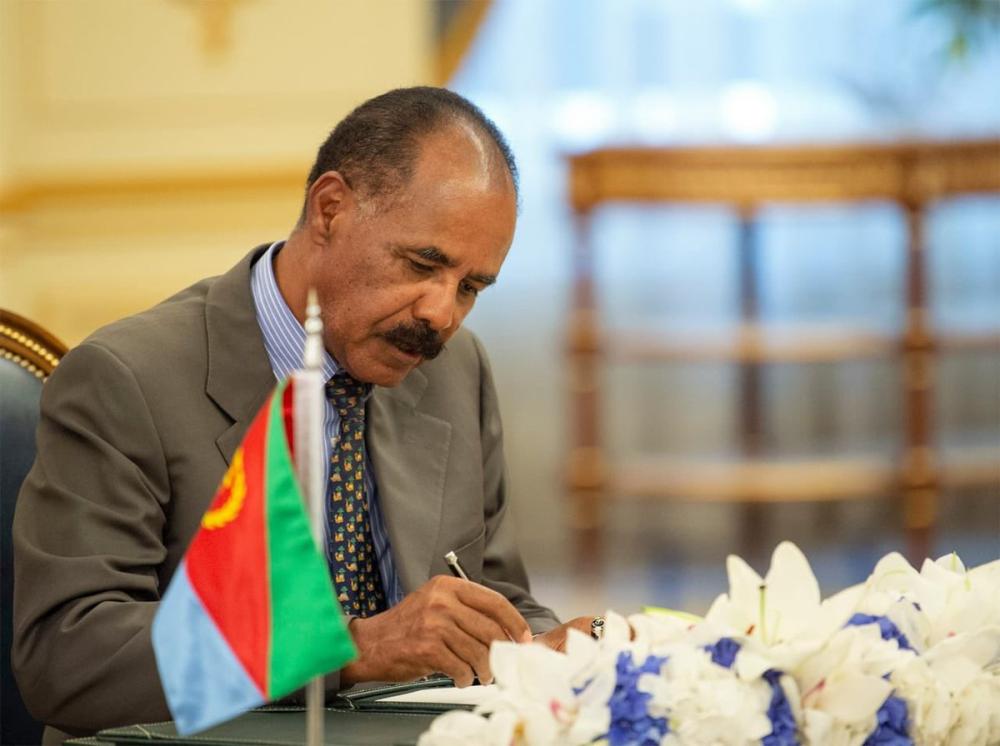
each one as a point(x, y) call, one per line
point(907, 657)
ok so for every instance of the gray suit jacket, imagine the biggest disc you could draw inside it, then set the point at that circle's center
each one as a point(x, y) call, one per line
point(138, 425)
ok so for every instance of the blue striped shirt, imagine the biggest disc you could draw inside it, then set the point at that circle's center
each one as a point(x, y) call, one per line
point(284, 340)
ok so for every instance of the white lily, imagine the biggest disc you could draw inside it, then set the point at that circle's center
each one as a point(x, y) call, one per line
point(782, 614)
point(942, 600)
point(959, 601)
point(843, 684)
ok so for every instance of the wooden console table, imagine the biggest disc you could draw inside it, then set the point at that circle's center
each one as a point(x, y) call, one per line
point(910, 175)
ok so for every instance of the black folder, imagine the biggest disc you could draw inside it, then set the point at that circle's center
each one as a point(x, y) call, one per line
point(356, 717)
point(285, 727)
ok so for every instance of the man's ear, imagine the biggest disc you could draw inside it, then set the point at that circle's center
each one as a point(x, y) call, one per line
point(328, 196)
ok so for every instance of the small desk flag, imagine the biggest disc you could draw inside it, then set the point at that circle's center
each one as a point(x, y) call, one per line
point(250, 614)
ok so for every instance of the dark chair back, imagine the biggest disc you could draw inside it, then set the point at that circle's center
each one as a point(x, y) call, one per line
point(28, 354)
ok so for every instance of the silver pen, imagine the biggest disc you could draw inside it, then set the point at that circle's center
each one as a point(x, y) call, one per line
point(596, 625)
point(452, 559)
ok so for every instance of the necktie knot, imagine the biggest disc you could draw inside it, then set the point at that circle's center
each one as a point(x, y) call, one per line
point(346, 394)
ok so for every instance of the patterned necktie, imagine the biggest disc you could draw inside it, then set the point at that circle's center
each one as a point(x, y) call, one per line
point(351, 550)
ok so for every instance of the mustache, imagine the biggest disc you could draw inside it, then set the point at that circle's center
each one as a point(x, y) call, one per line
point(417, 338)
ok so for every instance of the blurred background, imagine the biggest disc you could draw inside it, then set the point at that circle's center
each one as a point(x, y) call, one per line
point(144, 145)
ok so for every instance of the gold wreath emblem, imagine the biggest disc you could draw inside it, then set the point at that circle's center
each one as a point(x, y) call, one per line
point(235, 484)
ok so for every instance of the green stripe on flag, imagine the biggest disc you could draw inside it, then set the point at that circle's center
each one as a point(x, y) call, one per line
point(309, 634)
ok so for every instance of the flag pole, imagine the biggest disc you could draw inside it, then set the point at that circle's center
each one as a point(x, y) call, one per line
point(310, 470)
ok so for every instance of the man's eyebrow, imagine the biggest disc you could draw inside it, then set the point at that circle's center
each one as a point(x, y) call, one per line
point(484, 280)
point(434, 255)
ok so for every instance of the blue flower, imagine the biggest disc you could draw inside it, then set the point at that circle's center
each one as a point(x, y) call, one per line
point(784, 731)
point(631, 723)
point(724, 651)
point(886, 627)
point(893, 725)
point(783, 727)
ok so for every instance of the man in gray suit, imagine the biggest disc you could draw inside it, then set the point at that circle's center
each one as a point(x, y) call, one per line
point(409, 214)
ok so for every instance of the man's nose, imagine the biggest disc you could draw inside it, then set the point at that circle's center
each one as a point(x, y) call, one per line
point(437, 306)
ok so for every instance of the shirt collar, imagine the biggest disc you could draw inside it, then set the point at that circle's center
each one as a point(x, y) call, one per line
point(284, 337)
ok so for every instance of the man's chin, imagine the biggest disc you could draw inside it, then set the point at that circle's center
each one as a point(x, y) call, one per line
point(387, 369)
point(389, 380)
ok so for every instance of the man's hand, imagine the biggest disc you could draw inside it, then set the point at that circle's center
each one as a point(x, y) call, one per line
point(445, 626)
point(556, 638)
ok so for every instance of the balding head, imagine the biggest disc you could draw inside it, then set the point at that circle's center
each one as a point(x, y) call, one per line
point(375, 148)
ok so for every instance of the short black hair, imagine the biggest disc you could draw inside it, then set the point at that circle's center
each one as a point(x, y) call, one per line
point(375, 147)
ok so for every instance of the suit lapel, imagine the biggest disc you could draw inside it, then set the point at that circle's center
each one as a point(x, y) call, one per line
point(409, 452)
point(409, 448)
point(239, 372)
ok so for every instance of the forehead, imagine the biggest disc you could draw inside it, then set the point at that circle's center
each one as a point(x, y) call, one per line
point(458, 200)
point(472, 232)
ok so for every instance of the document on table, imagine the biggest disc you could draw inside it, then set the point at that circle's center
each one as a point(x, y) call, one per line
point(445, 695)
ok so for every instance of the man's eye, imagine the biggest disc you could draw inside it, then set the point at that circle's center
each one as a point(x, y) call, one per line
point(468, 288)
point(424, 269)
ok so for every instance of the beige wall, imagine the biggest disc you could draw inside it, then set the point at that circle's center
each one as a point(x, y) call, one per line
point(147, 143)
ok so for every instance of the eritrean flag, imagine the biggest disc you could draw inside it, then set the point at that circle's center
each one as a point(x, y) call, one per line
point(250, 614)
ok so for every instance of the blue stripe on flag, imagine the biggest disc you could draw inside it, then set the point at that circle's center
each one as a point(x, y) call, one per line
point(203, 681)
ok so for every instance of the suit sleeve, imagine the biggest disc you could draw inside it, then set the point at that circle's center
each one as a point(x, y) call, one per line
point(503, 568)
point(88, 537)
